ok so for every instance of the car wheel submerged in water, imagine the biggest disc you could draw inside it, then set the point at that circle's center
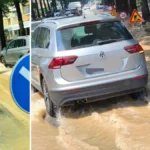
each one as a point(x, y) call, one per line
point(141, 95)
point(51, 108)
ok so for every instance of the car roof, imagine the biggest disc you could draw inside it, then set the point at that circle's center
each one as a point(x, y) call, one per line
point(58, 22)
point(22, 37)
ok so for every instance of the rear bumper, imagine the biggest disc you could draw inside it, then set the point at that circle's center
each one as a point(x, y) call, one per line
point(100, 92)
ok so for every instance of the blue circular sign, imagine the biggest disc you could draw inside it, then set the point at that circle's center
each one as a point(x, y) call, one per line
point(20, 83)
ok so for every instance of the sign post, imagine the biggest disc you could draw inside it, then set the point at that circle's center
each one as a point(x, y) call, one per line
point(123, 16)
point(136, 17)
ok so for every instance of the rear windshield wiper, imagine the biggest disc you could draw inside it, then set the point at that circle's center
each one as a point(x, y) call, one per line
point(109, 41)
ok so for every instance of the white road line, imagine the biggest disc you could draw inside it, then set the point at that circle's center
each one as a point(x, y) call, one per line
point(25, 73)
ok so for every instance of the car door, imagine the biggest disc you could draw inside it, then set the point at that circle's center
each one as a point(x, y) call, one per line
point(22, 49)
point(9, 51)
point(34, 57)
point(16, 52)
point(39, 51)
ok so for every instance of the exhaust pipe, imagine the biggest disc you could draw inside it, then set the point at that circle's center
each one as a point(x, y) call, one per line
point(82, 101)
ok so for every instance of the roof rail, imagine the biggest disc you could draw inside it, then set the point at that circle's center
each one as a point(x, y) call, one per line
point(103, 14)
point(54, 19)
point(49, 21)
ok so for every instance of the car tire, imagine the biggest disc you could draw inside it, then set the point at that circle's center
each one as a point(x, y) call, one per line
point(3, 61)
point(51, 108)
point(141, 95)
point(33, 89)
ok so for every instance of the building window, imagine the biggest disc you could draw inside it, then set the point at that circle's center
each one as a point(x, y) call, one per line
point(26, 10)
point(14, 20)
point(9, 21)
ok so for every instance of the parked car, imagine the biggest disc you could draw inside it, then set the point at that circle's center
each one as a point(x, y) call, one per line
point(75, 8)
point(15, 50)
point(85, 59)
point(99, 6)
point(86, 10)
point(58, 13)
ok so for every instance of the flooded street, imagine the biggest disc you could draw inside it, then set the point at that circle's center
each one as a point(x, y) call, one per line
point(114, 124)
point(14, 123)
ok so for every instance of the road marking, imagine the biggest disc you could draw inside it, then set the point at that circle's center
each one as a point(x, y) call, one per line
point(25, 73)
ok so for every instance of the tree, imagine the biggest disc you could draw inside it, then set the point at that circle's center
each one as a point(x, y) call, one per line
point(19, 14)
point(133, 6)
point(145, 10)
point(41, 5)
point(48, 5)
point(3, 10)
point(37, 8)
point(33, 11)
point(2, 35)
point(45, 6)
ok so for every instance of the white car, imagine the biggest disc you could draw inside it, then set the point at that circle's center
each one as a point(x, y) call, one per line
point(86, 9)
point(74, 5)
point(15, 50)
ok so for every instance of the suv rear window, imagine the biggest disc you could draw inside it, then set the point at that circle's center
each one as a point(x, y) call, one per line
point(91, 34)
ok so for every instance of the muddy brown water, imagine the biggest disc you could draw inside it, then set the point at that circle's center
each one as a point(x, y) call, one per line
point(114, 124)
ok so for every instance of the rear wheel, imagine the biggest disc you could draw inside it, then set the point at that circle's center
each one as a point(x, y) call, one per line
point(3, 61)
point(33, 89)
point(141, 95)
point(51, 108)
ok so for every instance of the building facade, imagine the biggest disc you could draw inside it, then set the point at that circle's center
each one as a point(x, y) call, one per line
point(11, 25)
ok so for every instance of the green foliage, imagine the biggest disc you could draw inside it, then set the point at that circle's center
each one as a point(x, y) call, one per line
point(23, 2)
point(4, 6)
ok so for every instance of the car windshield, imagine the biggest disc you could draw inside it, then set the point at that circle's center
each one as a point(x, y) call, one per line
point(73, 4)
point(91, 34)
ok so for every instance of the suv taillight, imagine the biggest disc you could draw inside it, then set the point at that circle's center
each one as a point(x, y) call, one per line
point(56, 63)
point(134, 49)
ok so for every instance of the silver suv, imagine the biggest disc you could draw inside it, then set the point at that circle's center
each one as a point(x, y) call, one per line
point(86, 59)
point(15, 50)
